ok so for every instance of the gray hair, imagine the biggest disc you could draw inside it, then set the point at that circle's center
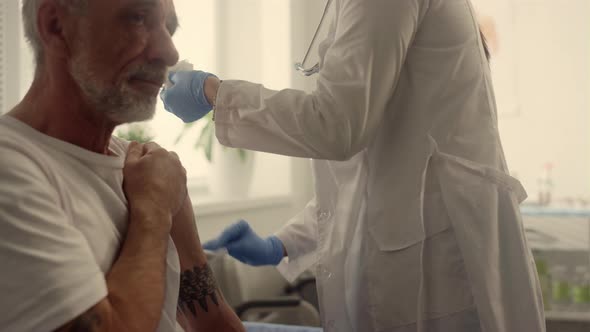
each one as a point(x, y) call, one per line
point(30, 11)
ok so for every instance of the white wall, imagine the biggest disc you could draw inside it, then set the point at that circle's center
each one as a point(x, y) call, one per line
point(553, 123)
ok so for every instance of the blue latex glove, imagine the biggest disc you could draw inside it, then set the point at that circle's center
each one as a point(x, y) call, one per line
point(186, 98)
point(244, 245)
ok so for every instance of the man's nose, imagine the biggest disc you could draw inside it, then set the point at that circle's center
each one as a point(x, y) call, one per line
point(162, 48)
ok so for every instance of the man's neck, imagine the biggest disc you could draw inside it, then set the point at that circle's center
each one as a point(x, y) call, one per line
point(58, 110)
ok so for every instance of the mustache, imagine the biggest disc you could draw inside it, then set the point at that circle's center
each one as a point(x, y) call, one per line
point(149, 72)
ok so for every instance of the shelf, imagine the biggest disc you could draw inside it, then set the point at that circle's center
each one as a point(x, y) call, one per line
point(540, 211)
point(557, 233)
point(568, 316)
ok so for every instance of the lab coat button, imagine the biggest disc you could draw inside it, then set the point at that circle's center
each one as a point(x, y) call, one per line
point(324, 215)
point(324, 273)
point(330, 326)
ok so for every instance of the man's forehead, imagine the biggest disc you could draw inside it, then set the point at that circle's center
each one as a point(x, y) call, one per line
point(166, 5)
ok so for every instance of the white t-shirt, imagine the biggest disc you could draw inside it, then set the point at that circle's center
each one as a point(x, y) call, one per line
point(63, 218)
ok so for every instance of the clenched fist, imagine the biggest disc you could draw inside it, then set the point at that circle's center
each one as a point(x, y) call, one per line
point(154, 179)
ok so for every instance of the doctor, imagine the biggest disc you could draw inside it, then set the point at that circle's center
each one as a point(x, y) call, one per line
point(415, 224)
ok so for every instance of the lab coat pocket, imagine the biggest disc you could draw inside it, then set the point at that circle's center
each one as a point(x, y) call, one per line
point(431, 257)
point(435, 262)
point(481, 201)
point(394, 227)
point(411, 231)
point(456, 173)
point(483, 205)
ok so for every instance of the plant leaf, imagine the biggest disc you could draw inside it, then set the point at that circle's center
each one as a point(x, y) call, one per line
point(205, 140)
point(202, 137)
point(243, 155)
point(186, 127)
point(209, 142)
point(136, 132)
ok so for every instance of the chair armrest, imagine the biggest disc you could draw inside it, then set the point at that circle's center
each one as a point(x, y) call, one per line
point(279, 302)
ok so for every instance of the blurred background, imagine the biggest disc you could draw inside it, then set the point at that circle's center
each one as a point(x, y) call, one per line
point(541, 68)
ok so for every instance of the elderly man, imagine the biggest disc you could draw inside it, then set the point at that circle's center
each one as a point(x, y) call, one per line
point(97, 234)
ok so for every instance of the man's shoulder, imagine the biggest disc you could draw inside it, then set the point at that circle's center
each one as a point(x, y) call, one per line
point(12, 137)
point(18, 148)
point(17, 167)
point(20, 159)
point(14, 145)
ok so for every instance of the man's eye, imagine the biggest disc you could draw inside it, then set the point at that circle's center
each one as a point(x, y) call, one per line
point(137, 18)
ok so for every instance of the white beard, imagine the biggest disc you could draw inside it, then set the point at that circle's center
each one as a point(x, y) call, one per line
point(118, 103)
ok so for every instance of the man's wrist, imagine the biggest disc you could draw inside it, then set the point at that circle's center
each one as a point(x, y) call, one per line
point(150, 216)
point(185, 235)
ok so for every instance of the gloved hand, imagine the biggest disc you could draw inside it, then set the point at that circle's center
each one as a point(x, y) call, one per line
point(186, 97)
point(244, 245)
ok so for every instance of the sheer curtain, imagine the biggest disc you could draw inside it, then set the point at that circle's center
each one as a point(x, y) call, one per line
point(11, 45)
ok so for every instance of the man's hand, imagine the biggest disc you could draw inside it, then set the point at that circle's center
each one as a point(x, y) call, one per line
point(154, 178)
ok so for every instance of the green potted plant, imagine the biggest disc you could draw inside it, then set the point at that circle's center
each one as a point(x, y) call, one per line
point(206, 139)
point(231, 169)
point(138, 132)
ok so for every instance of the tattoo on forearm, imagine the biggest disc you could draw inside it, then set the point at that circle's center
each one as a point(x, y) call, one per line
point(87, 322)
point(197, 285)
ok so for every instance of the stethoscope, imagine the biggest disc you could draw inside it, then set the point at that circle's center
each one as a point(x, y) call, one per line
point(301, 66)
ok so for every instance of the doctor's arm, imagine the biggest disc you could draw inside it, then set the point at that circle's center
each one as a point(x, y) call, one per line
point(296, 240)
point(201, 306)
point(359, 75)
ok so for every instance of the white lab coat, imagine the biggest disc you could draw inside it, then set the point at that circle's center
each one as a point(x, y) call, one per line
point(415, 225)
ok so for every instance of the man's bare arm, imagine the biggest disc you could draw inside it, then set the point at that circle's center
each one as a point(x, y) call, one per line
point(155, 186)
point(140, 267)
point(90, 321)
point(201, 306)
point(197, 288)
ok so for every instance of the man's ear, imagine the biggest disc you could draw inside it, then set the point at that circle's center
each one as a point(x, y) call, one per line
point(52, 27)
